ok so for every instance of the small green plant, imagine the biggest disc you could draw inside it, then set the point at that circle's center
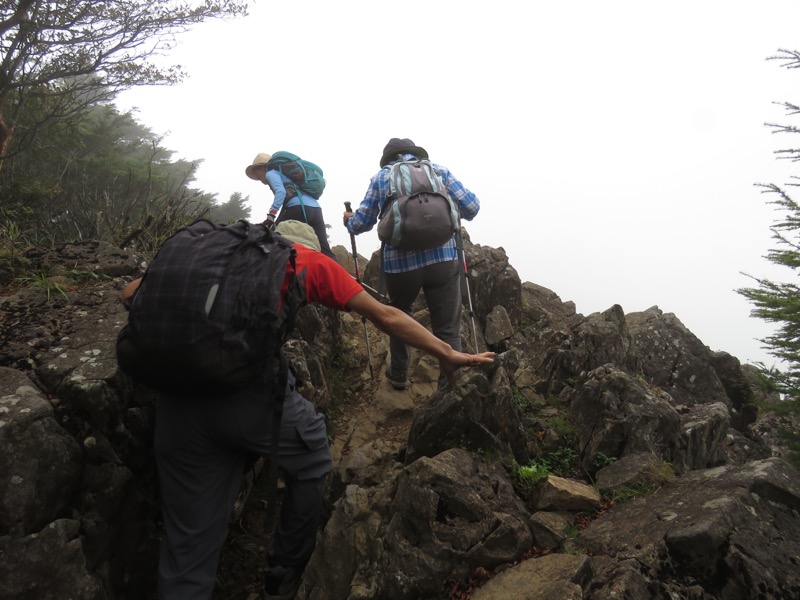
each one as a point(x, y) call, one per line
point(43, 281)
point(572, 534)
point(12, 249)
point(662, 473)
point(563, 461)
point(80, 276)
point(527, 477)
point(657, 476)
point(489, 454)
point(602, 460)
point(554, 400)
point(525, 321)
point(338, 356)
point(521, 399)
point(339, 386)
point(635, 490)
point(11, 238)
point(562, 428)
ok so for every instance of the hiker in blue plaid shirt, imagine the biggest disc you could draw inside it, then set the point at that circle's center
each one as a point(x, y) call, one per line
point(435, 271)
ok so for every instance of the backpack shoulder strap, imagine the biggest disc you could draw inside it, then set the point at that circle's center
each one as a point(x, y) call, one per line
point(294, 298)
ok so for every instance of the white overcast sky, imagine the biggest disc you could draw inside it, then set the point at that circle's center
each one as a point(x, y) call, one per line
point(615, 146)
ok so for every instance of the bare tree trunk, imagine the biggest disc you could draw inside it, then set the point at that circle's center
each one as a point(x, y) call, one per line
point(5, 140)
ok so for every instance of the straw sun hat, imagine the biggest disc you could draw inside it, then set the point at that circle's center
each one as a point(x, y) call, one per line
point(260, 160)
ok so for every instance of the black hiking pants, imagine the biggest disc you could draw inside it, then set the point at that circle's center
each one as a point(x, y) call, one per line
point(202, 446)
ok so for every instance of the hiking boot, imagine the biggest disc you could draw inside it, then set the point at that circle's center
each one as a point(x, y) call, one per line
point(281, 583)
point(398, 384)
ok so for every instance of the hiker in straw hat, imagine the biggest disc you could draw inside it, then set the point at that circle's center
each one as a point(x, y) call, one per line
point(289, 202)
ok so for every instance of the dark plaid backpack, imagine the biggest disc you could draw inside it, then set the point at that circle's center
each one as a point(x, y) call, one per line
point(208, 317)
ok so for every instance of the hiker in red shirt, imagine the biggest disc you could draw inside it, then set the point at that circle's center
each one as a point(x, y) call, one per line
point(202, 445)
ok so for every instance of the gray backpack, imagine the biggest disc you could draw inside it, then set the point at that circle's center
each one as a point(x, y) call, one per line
point(419, 213)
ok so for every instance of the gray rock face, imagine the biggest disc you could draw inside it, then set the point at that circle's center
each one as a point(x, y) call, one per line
point(439, 519)
point(477, 414)
point(719, 527)
point(674, 359)
point(425, 500)
point(618, 414)
point(51, 563)
point(40, 462)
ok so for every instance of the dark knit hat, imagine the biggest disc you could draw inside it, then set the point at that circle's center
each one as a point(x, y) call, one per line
point(400, 146)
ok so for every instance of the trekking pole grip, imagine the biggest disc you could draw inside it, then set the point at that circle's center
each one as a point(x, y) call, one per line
point(348, 207)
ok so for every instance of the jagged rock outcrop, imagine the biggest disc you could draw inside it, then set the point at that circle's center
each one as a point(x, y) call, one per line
point(477, 414)
point(424, 499)
point(721, 531)
point(34, 492)
point(618, 414)
point(438, 519)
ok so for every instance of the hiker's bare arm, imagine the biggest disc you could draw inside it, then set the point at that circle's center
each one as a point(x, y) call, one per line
point(398, 324)
point(129, 289)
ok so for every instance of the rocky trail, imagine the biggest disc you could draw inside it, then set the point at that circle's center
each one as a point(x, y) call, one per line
point(421, 502)
point(372, 412)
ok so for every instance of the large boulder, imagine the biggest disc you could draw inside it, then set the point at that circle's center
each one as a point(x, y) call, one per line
point(439, 519)
point(558, 355)
point(731, 530)
point(476, 414)
point(40, 462)
point(674, 359)
point(617, 414)
point(50, 564)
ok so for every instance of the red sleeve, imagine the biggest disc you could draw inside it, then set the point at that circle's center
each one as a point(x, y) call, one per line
point(327, 282)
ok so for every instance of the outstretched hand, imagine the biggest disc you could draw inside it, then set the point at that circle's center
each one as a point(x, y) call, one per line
point(460, 359)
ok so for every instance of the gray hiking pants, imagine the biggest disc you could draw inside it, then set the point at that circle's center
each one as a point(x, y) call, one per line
point(441, 285)
point(202, 446)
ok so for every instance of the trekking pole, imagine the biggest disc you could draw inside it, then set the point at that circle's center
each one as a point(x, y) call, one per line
point(349, 208)
point(460, 249)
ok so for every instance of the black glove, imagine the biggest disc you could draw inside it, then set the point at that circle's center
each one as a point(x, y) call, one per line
point(270, 222)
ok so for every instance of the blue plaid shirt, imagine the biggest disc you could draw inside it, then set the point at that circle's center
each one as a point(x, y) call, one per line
point(400, 261)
